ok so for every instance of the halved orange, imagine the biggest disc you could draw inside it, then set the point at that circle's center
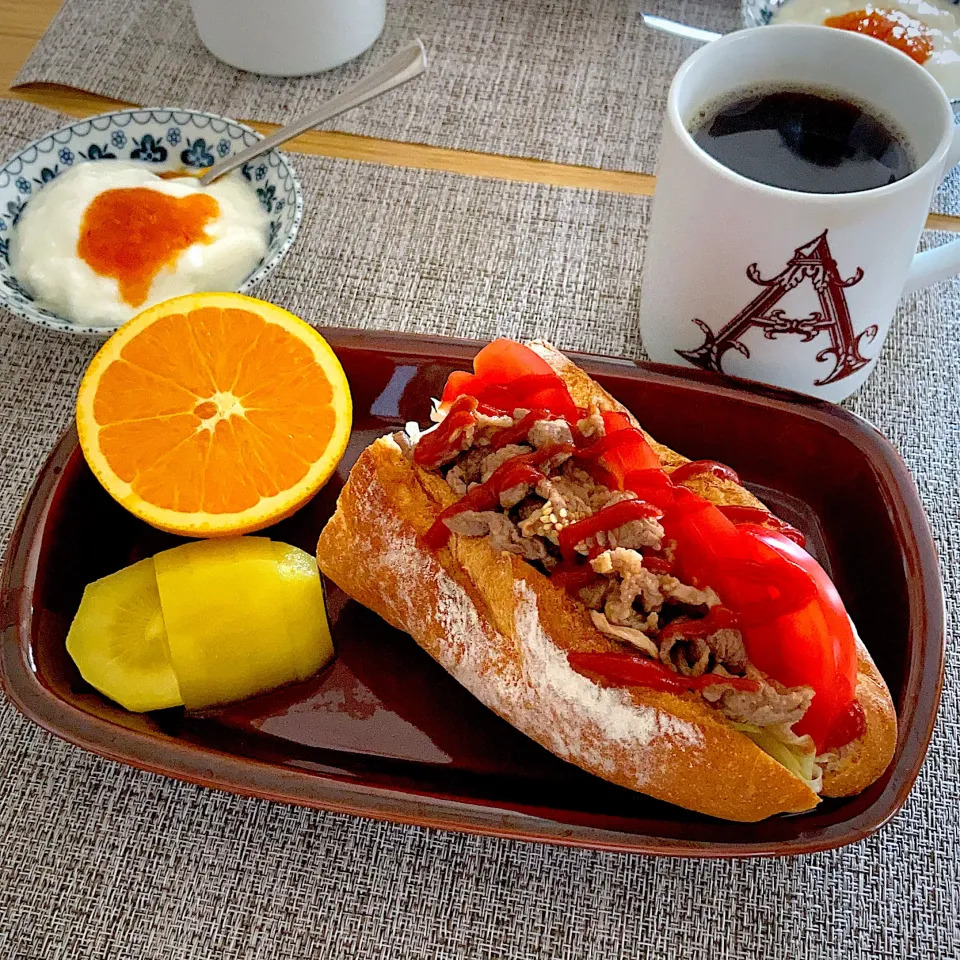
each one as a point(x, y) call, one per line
point(214, 414)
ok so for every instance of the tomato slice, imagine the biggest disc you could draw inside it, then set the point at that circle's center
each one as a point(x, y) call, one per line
point(811, 643)
point(555, 398)
point(614, 420)
point(704, 538)
point(622, 452)
point(508, 375)
point(458, 383)
point(544, 391)
point(502, 361)
point(814, 646)
point(654, 486)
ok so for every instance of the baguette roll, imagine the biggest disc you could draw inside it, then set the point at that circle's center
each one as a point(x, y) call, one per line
point(504, 630)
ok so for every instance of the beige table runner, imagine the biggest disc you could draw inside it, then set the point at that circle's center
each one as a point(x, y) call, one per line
point(576, 81)
point(573, 81)
point(98, 860)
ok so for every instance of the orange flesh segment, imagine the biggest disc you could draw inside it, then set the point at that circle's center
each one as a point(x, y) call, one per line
point(215, 428)
point(132, 233)
point(893, 27)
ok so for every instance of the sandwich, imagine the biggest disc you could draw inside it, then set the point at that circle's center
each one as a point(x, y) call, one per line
point(640, 615)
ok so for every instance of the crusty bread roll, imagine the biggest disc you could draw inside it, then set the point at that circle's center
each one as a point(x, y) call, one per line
point(503, 630)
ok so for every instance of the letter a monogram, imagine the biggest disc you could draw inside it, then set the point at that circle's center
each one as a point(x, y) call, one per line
point(812, 261)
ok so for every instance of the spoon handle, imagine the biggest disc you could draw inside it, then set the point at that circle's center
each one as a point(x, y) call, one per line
point(410, 62)
point(680, 29)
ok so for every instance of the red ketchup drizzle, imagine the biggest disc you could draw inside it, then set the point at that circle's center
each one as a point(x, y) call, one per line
point(609, 518)
point(518, 432)
point(486, 496)
point(630, 670)
point(574, 576)
point(738, 514)
point(697, 467)
point(434, 448)
point(850, 726)
point(657, 564)
point(792, 621)
point(717, 618)
point(541, 391)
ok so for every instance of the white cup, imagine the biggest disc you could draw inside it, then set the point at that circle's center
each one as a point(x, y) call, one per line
point(794, 289)
point(288, 38)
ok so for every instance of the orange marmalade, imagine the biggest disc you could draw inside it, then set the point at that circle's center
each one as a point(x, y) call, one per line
point(132, 233)
point(893, 27)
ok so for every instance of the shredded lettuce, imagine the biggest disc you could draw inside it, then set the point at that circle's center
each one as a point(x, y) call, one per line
point(797, 754)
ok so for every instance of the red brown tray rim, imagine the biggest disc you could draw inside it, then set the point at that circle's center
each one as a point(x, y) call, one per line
point(209, 767)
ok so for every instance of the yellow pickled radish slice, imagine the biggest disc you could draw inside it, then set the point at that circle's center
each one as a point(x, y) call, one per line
point(232, 617)
point(118, 640)
point(305, 617)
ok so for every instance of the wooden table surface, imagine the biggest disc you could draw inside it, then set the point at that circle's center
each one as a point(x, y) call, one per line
point(23, 22)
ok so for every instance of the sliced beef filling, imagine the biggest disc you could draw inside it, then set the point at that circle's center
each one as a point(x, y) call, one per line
point(635, 637)
point(629, 602)
point(499, 457)
point(502, 531)
point(634, 592)
point(592, 426)
point(772, 705)
point(546, 433)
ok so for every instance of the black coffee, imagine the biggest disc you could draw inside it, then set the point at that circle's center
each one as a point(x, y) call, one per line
point(801, 140)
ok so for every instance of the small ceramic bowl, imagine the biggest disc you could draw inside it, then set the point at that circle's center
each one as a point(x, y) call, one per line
point(758, 13)
point(162, 139)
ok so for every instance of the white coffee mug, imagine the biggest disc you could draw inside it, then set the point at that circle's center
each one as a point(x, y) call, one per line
point(288, 38)
point(789, 288)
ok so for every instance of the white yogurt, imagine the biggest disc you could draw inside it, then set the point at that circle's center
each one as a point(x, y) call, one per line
point(43, 250)
point(942, 18)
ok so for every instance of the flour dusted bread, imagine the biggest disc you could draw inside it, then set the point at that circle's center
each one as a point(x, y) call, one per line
point(503, 630)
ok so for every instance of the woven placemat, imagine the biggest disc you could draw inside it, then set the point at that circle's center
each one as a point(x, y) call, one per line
point(575, 81)
point(572, 81)
point(98, 860)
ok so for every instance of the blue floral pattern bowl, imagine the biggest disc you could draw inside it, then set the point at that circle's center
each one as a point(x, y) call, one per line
point(758, 13)
point(163, 139)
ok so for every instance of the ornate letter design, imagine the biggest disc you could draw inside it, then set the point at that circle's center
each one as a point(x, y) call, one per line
point(814, 261)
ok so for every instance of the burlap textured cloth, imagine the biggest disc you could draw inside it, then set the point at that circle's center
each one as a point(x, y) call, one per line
point(98, 860)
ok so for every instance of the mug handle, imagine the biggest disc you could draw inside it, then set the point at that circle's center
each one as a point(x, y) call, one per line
point(941, 262)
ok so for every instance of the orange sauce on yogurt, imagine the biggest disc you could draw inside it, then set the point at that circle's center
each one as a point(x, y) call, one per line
point(132, 233)
point(893, 27)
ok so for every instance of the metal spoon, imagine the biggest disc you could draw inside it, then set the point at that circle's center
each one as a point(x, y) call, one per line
point(410, 62)
point(678, 29)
